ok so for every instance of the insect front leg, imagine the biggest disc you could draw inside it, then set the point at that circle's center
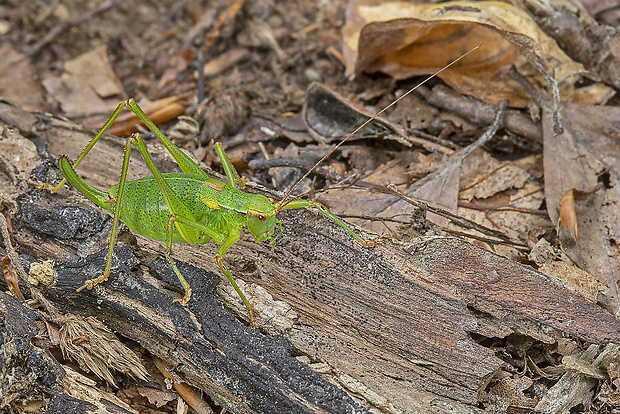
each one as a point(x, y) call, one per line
point(233, 238)
point(325, 211)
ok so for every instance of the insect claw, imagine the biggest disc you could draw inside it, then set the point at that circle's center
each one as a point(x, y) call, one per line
point(88, 284)
point(185, 299)
point(376, 240)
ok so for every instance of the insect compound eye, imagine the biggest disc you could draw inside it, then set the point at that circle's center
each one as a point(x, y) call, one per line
point(271, 200)
point(260, 216)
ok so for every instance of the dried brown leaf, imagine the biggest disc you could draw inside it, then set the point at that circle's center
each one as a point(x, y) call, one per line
point(75, 96)
point(94, 69)
point(581, 159)
point(406, 39)
point(18, 80)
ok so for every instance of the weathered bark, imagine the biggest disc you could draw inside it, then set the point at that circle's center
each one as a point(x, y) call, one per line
point(398, 325)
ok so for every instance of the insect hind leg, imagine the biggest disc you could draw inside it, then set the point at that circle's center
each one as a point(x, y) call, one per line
point(89, 284)
point(185, 162)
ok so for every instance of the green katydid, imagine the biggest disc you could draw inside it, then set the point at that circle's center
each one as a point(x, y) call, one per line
point(190, 206)
point(186, 207)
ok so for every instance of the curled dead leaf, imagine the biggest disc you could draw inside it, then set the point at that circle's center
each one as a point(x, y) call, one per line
point(406, 39)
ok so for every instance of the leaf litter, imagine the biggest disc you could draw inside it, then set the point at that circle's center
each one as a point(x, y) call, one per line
point(566, 194)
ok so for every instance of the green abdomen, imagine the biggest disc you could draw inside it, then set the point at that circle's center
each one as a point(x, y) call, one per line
point(144, 209)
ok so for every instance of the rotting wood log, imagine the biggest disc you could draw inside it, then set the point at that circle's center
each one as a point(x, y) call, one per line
point(397, 326)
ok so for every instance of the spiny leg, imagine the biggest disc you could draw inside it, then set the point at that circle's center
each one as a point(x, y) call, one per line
point(232, 175)
point(185, 162)
point(90, 146)
point(321, 208)
point(89, 284)
point(186, 286)
point(233, 238)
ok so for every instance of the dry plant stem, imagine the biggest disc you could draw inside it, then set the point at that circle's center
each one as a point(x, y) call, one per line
point(501, 207)
point(430, 145)
point(443, 142)
point(539, 99)
point(480, 113)
point(66, 25)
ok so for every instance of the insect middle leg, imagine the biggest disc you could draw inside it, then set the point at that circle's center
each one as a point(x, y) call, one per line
point(233, 238)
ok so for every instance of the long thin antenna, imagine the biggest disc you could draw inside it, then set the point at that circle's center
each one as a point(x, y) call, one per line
point(283, 202)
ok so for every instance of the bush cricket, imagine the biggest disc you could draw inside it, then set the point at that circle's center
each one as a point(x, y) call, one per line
point(190, 206)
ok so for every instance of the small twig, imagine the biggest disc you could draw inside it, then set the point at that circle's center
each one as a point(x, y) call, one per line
point(267, 158)
point(550, 105)
point(501, 207)
point(479, 112)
